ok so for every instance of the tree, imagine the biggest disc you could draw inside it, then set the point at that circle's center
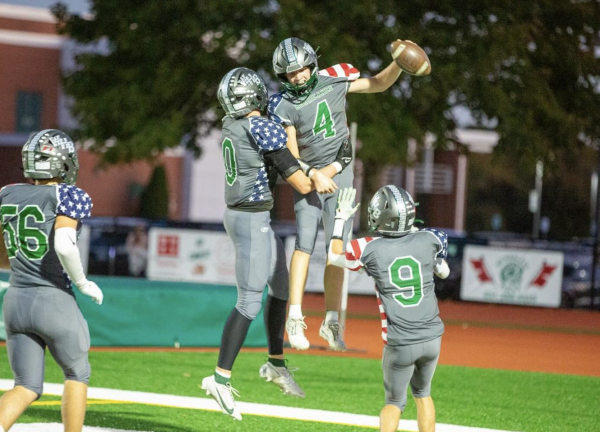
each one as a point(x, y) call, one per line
point(154, 202)
point(530, 70)
point(157, 79)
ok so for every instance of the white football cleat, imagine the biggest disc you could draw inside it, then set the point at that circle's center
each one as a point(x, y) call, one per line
point(295, 330)
point(223, 394)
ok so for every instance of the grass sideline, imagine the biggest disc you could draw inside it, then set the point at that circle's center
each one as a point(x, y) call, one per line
point(509, 400)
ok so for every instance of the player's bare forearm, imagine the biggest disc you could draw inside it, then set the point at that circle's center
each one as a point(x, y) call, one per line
point(322, 183)
point(292, 142)
point(300, 182)
point(379, 83)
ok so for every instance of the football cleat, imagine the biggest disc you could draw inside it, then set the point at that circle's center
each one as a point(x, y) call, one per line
point(295, 329)
point(223, 394)
point(282, 378)
point(332, 333)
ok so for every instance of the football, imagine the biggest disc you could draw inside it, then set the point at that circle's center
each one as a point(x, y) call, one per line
point(410, 57)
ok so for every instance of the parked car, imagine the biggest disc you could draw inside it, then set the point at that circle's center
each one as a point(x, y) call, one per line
point(577, 283)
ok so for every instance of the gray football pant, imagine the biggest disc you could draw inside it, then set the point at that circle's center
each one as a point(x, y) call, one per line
point(414, 364)
point(40, 317)
point(259, 260)
point(313, 207)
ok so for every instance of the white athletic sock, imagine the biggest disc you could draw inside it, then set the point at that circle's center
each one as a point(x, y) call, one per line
point(295, 311)
point(331, 316)
point(223, 374)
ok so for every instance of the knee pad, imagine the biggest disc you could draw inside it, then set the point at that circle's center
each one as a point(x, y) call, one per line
point(250, 308)
point(421, 393)
point(306, 237)
point(400, 403)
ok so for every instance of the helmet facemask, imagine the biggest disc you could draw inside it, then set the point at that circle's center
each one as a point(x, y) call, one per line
point(292, 55)
point(50, 154)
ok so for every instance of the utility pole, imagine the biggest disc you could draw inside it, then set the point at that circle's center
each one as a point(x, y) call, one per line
point(595, 237)
point(537, 214)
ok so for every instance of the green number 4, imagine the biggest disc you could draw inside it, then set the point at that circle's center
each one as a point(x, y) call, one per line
point(405, 274)
point(324, 121)
point(31, 241)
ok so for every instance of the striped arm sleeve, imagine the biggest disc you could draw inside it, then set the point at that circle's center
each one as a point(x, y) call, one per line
point(342, 70)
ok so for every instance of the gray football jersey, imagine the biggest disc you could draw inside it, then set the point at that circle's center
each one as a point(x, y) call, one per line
point(245, 141)
point(320, 117)
point(402, 268)
point(27, 214)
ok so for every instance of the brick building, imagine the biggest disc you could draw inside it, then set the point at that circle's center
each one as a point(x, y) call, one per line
point(32, 56)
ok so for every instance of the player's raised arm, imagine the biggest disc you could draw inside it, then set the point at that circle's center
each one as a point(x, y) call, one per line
point(407, 56)
point(378, 83)
point(345, 210)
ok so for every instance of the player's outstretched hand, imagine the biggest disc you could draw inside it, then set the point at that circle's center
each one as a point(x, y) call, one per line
point(345, 204)
point(92, 290)
point(322, 183)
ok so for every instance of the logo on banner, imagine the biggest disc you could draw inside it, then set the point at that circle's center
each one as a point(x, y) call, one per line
point(200, 252)
point(168, 245)
point(512, 269)
point(511, 273)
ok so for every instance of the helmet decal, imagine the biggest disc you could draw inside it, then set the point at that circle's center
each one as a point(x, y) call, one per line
point(49, 154)
point(242, 91)
point(391, 211)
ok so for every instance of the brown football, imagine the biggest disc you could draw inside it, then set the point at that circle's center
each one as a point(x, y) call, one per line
point(410, 57)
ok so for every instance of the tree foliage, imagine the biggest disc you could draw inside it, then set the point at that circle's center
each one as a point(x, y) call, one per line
point(531, 69)
point(154, 201)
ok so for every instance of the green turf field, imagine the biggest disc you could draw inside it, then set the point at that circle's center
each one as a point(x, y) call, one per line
point(516, 401)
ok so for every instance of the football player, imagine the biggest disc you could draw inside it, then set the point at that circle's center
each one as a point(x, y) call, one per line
point(41, 223)
point(312, 108)
point(254, 152)
point(402, 260)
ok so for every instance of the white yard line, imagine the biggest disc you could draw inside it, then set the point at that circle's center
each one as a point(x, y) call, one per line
point(247, 408)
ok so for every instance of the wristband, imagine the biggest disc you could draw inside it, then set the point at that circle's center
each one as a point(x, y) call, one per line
point(306, 168)
point(338, 229)
point(338, 166)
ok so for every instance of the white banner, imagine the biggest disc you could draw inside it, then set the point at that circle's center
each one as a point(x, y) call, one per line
point(514, 276)
point(191, 256)
point(209, 257)
point(358, 283)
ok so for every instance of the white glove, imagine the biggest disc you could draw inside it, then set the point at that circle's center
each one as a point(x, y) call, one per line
point(345, 204)
point(92, 290)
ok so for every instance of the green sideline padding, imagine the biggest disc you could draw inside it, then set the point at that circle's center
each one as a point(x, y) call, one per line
point(139, 312)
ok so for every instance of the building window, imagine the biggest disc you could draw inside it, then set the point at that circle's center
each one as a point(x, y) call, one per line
point(29, 111)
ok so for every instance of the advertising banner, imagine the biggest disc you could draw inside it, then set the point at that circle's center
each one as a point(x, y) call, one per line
point(191, 256)
point(209, 257)
point(513, 276)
